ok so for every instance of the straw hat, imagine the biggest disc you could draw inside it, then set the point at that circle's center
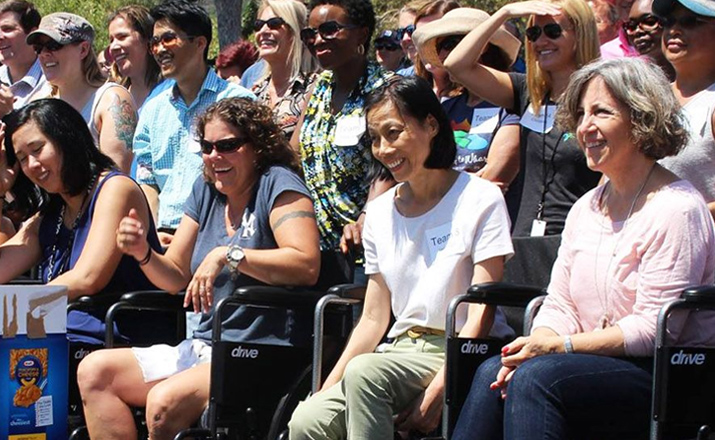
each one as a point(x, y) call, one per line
point(460, 21)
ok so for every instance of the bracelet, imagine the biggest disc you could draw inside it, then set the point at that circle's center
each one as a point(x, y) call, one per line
point(568, 345)
point(146, 259)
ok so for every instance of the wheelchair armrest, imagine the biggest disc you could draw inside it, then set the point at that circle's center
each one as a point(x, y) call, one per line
point(504, 294)
point(155, 299)
point(700, 294)
point(279, 296)
point(88, 303)
point(352, 291)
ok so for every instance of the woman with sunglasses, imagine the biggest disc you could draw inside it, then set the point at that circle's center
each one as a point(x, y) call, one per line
point(73, 199)
point(289, 68)
point(561, 38)
point(248, 221)
point(442, 84)
point(645, 32)
point(63, 43)
point(332, 139)
point(130, 29)
point(688, 32)
point(477, 124)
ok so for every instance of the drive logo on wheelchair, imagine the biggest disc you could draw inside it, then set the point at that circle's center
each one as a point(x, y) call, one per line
point(470, 347)
point(682, 358)
point(245, 353)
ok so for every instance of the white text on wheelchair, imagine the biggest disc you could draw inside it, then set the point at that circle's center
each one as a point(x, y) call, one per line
point(471, 348)
point(240, 352)
point(681, 358)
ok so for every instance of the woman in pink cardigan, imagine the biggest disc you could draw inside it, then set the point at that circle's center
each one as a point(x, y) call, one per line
point(629, 246)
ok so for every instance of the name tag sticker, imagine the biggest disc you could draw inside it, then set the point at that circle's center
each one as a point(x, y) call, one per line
point(437, 238)
point(484, 120)
point(349, 130)
point(536, 122)
point(192, 143)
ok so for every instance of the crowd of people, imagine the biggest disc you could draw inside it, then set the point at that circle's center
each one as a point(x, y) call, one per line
point(415, 152)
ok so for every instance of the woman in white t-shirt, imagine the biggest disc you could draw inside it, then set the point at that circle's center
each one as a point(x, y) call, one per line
point(426, 240)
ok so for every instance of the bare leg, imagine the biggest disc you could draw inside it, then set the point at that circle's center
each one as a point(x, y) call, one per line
point(111, 382)
point(177, 402)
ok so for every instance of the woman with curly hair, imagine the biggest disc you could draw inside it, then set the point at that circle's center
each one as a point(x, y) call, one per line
point(629, 247)
point(248, 221)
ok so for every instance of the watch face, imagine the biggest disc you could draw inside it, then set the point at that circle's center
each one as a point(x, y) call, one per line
point(236, 254)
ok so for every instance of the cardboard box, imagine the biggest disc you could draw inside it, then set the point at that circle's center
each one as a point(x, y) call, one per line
point(33, 363)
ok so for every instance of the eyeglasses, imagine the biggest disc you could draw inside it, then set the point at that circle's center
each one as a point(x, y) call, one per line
point(168, 39)
point(223, 146)
point(449, 43)
point(386, 46)
point(49, 45)
point(647, 22)
point(686, 22)
point(409, 29)
point(551, 30)
point(328, 31)
point(274, 23)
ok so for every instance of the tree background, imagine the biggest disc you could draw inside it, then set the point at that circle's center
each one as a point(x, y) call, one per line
point(227, 26)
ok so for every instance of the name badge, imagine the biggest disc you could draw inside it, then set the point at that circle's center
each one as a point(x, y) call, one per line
point(192, 143)
point(536, 123)
point(484, 120)
point(538, 228)
point(437, 238)
point(349, 130)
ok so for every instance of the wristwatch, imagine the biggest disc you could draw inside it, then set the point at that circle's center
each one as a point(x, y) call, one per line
point(234, 256)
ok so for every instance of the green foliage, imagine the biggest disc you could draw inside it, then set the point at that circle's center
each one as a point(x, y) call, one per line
point(386, 10)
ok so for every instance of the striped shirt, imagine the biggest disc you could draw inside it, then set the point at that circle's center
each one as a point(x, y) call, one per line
point(25, 87)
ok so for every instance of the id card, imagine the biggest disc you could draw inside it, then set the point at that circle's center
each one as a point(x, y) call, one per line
point(192, 143)
point(538, 228)
point(537, 123)
point(484, 120)
point(349, 130)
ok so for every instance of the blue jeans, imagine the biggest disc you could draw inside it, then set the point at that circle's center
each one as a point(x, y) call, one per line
point(560, 396)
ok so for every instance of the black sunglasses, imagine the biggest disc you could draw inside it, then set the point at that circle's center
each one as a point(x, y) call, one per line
point(409, 29)
point(647, 22)
point(551, 30)
point(274, 23)
point(223, 146)
point(328, 31)
point(686, 22)
point(49, 45)
point(386, 46)
point(449, 43)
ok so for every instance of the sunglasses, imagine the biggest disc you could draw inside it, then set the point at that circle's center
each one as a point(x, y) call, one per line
point(168, 39)
point(449, 43)
point(551, 30)
point(409, 29)
point(686, 22)
point(223, 146)
point(274, 23)
point(647, 22)
point(386, 46)
point(49, 45)
point(328, 31)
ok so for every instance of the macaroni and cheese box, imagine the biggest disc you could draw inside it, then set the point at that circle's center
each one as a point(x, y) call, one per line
point(33, 363)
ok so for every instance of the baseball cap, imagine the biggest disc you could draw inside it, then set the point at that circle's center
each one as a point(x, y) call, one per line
point(64, 28)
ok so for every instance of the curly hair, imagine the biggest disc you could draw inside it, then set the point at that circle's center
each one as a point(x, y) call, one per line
point(658, 126)
point(359, 12)
point(255, 121)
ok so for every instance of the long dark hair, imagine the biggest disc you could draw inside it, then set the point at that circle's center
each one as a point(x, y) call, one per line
point(68, 132)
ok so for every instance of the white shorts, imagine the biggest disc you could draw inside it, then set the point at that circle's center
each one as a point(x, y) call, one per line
point(161, 361)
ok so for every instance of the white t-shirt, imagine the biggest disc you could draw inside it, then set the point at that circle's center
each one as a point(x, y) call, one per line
point(429, 259)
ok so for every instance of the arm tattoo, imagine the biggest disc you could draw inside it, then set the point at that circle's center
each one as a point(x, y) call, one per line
point(290, 215)
point(125, 120)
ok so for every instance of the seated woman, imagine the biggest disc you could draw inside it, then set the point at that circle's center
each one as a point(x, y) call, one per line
point(426, 240)
point(75, 199)
point(248, 221)
point(629, 246)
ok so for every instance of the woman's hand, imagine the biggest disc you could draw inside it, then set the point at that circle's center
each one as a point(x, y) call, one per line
point(527, 8)
point(425, 412)
point(526, 347)
point(7, 174)
point(132, 236)
point(200, 290)
point(352, 235)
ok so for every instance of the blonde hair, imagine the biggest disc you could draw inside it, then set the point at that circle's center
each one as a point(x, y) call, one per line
point(295, 15)
point(93, 74)
point(583, 24)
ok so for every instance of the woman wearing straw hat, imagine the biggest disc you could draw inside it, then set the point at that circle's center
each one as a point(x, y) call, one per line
point(477, 124)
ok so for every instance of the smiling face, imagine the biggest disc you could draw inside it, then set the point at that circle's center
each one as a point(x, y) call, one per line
point(685, 46)
point(646, 36)
point(231, 172)
point(603, 130)
point(555, 54)
point(63, 66)
point(12, 39)
point(127, 47)
point(273, 44)
point(401, 143)
point(40, 160)
point(177, 53)
point(343, 48)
